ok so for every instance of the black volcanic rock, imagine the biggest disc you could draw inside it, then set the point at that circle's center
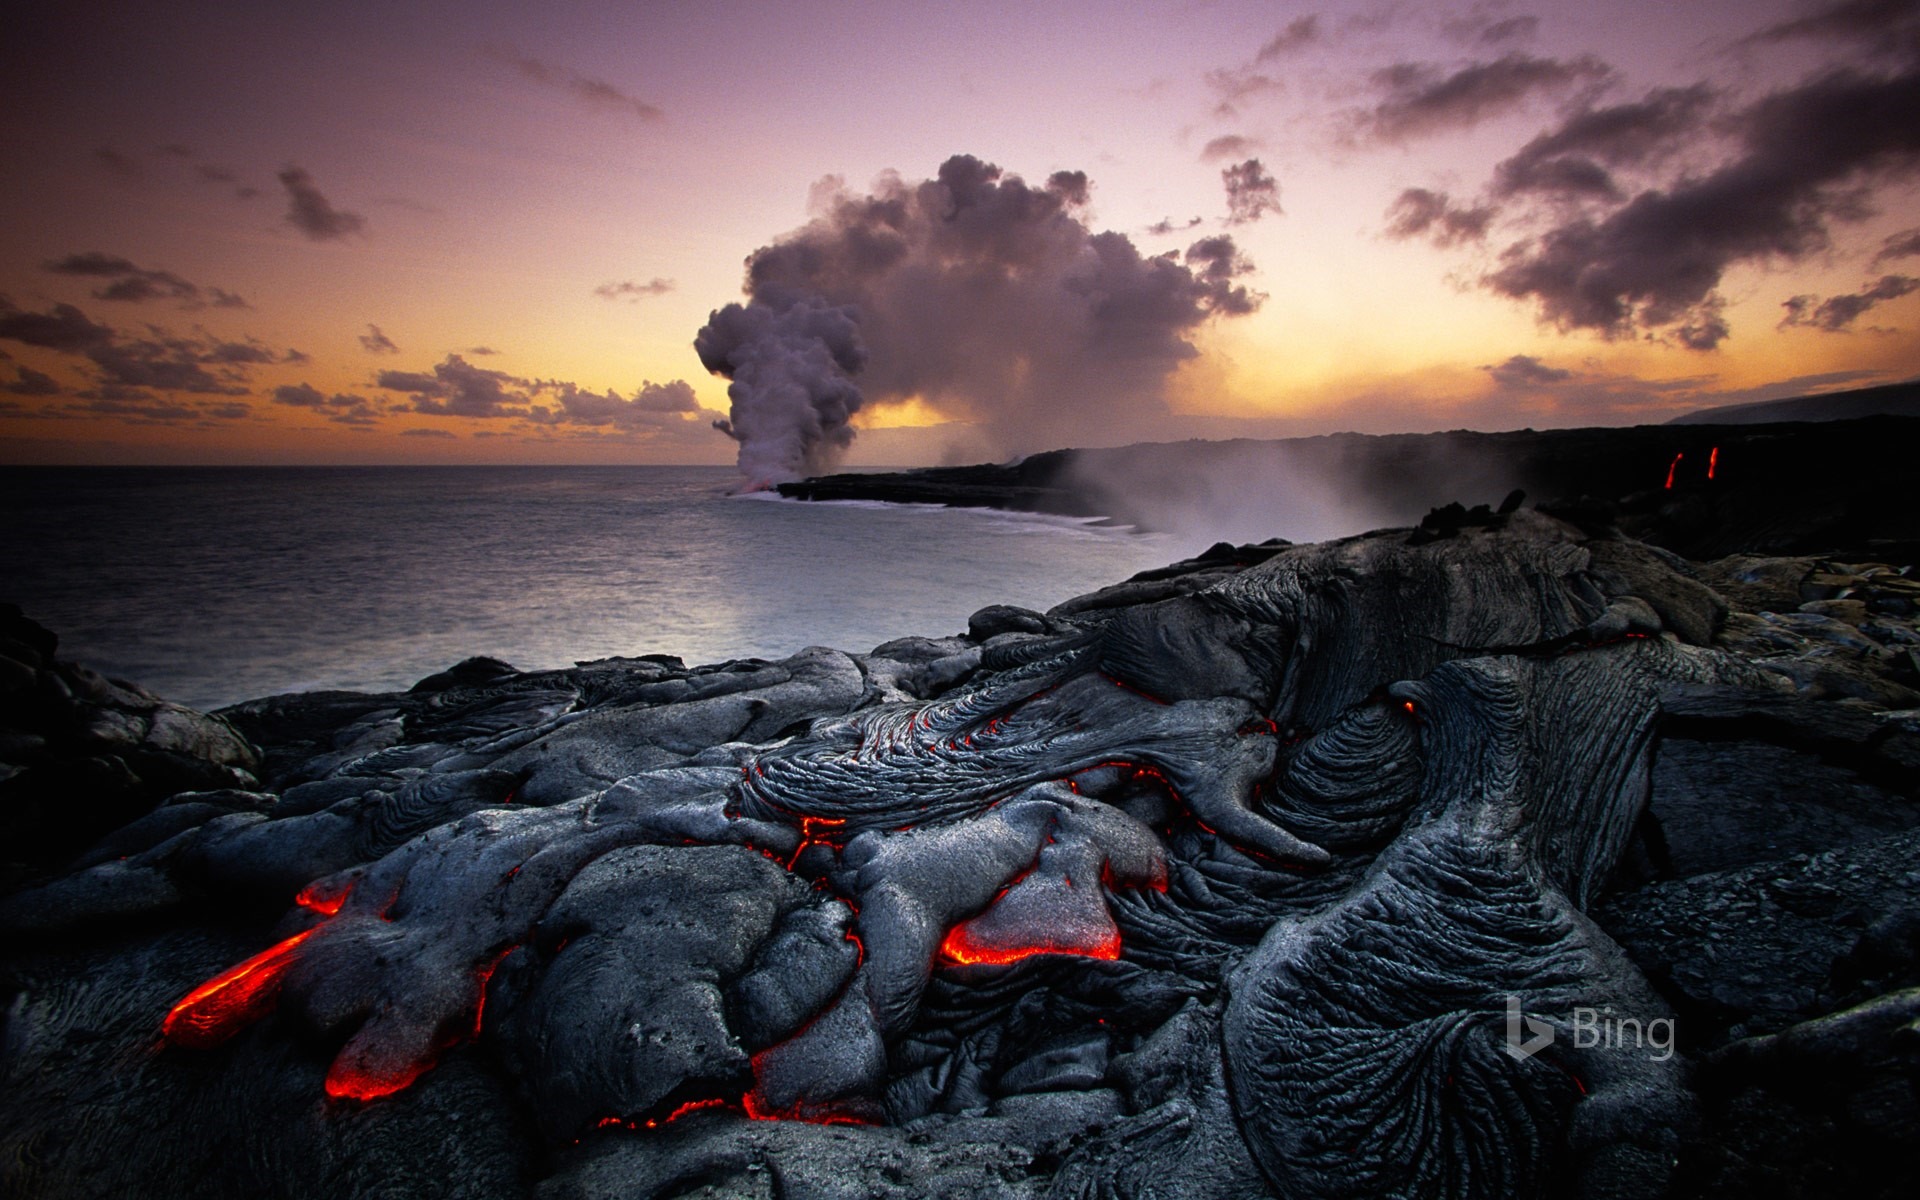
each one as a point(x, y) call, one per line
point(81, 755)
point(1836, 488)
point(1290, 870)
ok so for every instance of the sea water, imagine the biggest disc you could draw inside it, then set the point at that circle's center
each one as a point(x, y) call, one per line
point(215, 585)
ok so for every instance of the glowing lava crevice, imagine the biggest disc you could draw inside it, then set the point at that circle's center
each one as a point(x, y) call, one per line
point(231, 1000)
point(485, 977)
point(960, 948)
point(810, 835)
point(346, 1082)
point(324, 896)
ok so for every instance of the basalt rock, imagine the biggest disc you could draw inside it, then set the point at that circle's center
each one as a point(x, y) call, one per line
point(1505, 858)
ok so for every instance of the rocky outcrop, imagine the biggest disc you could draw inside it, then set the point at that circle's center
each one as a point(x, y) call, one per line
point(82, 755)
point(1498, 856)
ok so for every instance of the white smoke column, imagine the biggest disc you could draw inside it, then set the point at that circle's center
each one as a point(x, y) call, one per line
point(987, 300)
point(789, 358)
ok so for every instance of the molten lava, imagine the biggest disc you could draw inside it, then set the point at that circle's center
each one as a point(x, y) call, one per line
point(485, 977)
point(812, 833)
point(960, 947)
point(1672, 467)
point(231, 1000)
point(693, 1106)
point(324, 896)
point(346, 1082)
point(1713, 461)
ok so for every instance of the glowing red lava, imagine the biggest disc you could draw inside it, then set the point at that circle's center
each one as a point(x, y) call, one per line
point(324, 896)
point(694, 1106)
point(1713, 461)
point(485, 976)
point(811, 835)
point(346, 1082)
point(960, 947)
point(1672, 467)
point(231, 1000)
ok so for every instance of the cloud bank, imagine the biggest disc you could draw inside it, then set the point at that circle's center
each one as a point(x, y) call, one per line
point(1624, 218)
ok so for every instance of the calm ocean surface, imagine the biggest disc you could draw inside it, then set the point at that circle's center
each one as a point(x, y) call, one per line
point(215, 585)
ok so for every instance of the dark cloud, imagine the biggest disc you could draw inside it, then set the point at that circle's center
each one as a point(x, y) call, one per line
point(1572, 159)
point(1484, 29)
point(249, 352)
point(1897, 246)
point(32, 383)
point(170, 364)
point(128, 282)
point(1885, 25)
point(1705, 325)
point(1216, 263)
point(656, 406)
point(65, 328)
point(300, 395)
point(1230, 145)
point(1168, 225)
point(1524, 372)
point(1073, 188)
point(375, 342)
point(1252, 193)
point(988, 299)
point(427, 433)
point(595, 92)
point(309, 211)
point(1235, 86)
point(1804, 159)
point(1838, 313)
point(481, 351)
point(92, 263)
point(126, 368)
point(343, 408)
point(1420, 213)
point(629, 290)
point(222, 298)
point(1513, 29)
point(1420, 99)
point(1300, 33)
point(457, 388)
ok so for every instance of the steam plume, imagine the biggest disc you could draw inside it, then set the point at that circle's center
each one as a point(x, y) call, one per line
point(789, 357)
point(988, 299)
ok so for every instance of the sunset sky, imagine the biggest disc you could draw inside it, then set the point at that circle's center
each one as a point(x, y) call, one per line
point(489, 232)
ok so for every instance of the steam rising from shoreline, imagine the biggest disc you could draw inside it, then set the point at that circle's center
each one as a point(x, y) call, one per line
point(789, 357)
point(989, 300)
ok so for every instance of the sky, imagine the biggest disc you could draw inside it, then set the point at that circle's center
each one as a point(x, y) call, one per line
point(912, 233)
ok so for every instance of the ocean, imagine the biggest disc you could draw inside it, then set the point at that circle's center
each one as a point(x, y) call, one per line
point(214, 585)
